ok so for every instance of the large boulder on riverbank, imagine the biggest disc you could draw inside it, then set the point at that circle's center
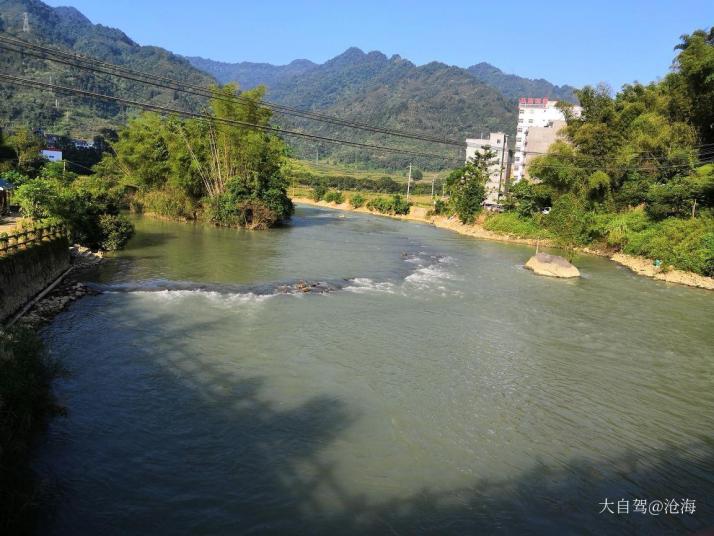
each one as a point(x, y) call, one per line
point(551, 265)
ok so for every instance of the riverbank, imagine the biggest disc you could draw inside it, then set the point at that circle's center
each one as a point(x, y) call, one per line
point(639, 265)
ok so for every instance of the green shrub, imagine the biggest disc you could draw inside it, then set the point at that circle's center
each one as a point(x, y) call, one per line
point(513, 224)
point(38, 198)
point(171, 203)
point(527, 198)
point(115, 230)
point(334, 197)
point(569, 222)
point(441, 208)
point(14, 177)
point(687, 244)
point(278, 203)
point(614, 229)
point(227, 211)
point(466, 198)
point(357, 200)
point(318, 191)
point(390, 205)
point(400, 205)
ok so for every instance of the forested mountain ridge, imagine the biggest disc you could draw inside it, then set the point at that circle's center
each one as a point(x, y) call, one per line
point(67, 29)
point(391, 92)
point(251, 74)
point(433, 99)
point(515, 86)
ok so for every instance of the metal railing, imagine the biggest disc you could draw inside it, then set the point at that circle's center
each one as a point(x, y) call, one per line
point(18, 240)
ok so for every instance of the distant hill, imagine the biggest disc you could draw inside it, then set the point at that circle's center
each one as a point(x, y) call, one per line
point(433, 99)
point(516, 86)
point(251, 74)
point(69, 30)
point(391, 92)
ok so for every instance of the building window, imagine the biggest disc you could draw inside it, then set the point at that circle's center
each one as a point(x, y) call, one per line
point(530, 120)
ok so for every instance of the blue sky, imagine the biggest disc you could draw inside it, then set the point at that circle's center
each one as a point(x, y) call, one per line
point(565, 42)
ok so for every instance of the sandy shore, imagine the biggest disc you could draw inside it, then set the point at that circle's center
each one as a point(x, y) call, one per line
point(638, 265)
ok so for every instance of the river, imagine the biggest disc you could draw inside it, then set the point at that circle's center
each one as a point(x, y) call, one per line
point(429, 384)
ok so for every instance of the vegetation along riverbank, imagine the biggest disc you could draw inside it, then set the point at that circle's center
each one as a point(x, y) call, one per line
point(480, 229)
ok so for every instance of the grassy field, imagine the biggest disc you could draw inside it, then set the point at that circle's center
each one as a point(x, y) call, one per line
point(326, 169)
point(418, 200)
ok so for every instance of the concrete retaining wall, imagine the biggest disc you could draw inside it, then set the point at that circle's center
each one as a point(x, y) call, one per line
point(26, 273)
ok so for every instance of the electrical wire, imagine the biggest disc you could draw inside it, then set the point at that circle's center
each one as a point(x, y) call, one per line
point(265, 128)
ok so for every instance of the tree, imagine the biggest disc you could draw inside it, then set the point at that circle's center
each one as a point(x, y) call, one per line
point(227, 160)
point(87, 205)
point(681, 196)
point(560, 169)
point(569, 220)
point(26, 146)
point(6, 152)
point(528, 198)
point(467, 185)
point(693, 80)
point(142, 151)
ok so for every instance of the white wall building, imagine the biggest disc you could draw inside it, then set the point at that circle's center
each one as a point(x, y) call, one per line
point(496, 141)
point(53, 155)
point(542, 119)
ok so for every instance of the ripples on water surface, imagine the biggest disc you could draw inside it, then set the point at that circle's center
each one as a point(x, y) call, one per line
point(427, 384)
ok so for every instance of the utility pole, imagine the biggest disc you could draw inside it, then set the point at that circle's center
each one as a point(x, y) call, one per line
point(503, 158)
point(54, 94)
point(317, 154)
point(25, 22)
point(432, 186)
point(409, 181)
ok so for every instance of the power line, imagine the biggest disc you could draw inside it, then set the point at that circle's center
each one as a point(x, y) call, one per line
point(175, 85)
point(96, 65)
point(265, 128)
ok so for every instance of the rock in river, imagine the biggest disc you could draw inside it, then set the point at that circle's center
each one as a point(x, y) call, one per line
point(552, 265)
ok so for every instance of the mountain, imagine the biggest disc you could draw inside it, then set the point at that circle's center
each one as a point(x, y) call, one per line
point(67, 29)
point(436, 100)
point(515, 86)
point(251, 74)
point(433, 99)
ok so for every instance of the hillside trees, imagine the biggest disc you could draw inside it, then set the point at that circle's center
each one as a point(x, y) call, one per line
point(232, 170)
point(692, 82)
point(26, 146)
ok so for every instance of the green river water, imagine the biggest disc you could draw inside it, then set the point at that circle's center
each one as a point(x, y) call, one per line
point(434, 386)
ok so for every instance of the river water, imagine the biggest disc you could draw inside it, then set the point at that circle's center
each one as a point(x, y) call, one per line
point(429, 384)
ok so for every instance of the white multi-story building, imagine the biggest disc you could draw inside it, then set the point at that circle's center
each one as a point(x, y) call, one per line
point(496, 142)
point(539, 121)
